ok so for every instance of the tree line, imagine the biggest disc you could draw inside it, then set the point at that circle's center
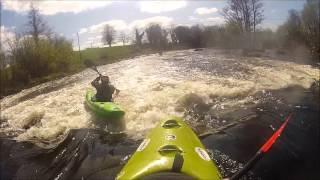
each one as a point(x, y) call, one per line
point(240, 30)
point(302, 28)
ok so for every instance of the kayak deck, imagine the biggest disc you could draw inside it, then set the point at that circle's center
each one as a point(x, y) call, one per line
point(170, 147)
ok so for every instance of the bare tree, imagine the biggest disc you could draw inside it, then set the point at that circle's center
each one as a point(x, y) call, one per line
point(124, 38)
point(2, 59)
point(173, 35)
point(183, 34)
point(164, 37)
point(139, 37)
point(163, 40)
point(154, 34)
point(37, 25)
point(197, 36)
point(108, 35)
point(157, 36)
point(310, 27)
point(294, 25)
point(257, 13)
point(247, 14)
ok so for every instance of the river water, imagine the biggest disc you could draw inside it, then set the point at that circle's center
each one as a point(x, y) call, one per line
point(213, 90)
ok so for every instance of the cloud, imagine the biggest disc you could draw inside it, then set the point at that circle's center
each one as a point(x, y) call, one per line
point(94, 38)
point(161, 6)
point(118, 25)
point(7, 35)
point(92, 35)
point(95, 41)
point(269, 25)
point(192, 18)
point(214, 21)
point(83, 30)
point(142, 23)
point(208, 21)
point(52, 7)
point(92, 43)
point(205, 11)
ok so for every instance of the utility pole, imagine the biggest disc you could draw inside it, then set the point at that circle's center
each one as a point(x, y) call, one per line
point(79, 46)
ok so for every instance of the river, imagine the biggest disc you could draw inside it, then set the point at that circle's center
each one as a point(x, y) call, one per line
point(213, 90)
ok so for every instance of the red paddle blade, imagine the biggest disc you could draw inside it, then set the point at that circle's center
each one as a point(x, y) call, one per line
point(274, 137)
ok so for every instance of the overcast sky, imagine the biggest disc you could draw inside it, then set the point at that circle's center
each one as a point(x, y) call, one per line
point(88, 17)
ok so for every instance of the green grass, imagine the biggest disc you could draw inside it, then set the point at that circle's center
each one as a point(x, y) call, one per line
point(108, 54)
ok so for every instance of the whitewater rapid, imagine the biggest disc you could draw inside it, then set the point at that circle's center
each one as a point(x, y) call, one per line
point(152, 87)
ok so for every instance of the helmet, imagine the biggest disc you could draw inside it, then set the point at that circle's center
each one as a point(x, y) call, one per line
point(105, 79)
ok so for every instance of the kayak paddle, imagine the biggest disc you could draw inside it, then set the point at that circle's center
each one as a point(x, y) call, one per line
point(262, 151)
point(91, 65)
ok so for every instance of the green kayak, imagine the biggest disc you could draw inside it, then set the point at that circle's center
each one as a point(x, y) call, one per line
point(172, 149)
point(108, 110)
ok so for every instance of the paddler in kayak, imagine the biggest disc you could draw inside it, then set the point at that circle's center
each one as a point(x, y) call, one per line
point(104, 89)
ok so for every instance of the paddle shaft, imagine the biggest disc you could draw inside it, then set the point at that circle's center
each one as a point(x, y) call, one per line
point(90, 64)
point(262, 151)
point(96, 70)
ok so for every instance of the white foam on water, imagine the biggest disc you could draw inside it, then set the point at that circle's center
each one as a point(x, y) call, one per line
point(63, 110)
point(151, 87)
point(284, 74)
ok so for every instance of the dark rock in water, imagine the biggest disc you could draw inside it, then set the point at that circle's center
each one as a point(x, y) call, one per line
point(33, 119)
point(179, 109)
point(195, 102)
point(85, 153)
point(315, 87)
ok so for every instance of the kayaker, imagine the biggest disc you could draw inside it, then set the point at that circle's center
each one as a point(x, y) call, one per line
point(104, 89)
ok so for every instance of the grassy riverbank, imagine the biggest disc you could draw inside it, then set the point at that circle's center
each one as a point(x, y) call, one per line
point(99, 56)
point(107, 55)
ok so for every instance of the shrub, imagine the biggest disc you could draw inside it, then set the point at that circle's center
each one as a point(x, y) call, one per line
point(45, 57)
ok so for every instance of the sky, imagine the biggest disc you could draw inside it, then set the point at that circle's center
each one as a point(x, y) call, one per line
point(67, 18)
